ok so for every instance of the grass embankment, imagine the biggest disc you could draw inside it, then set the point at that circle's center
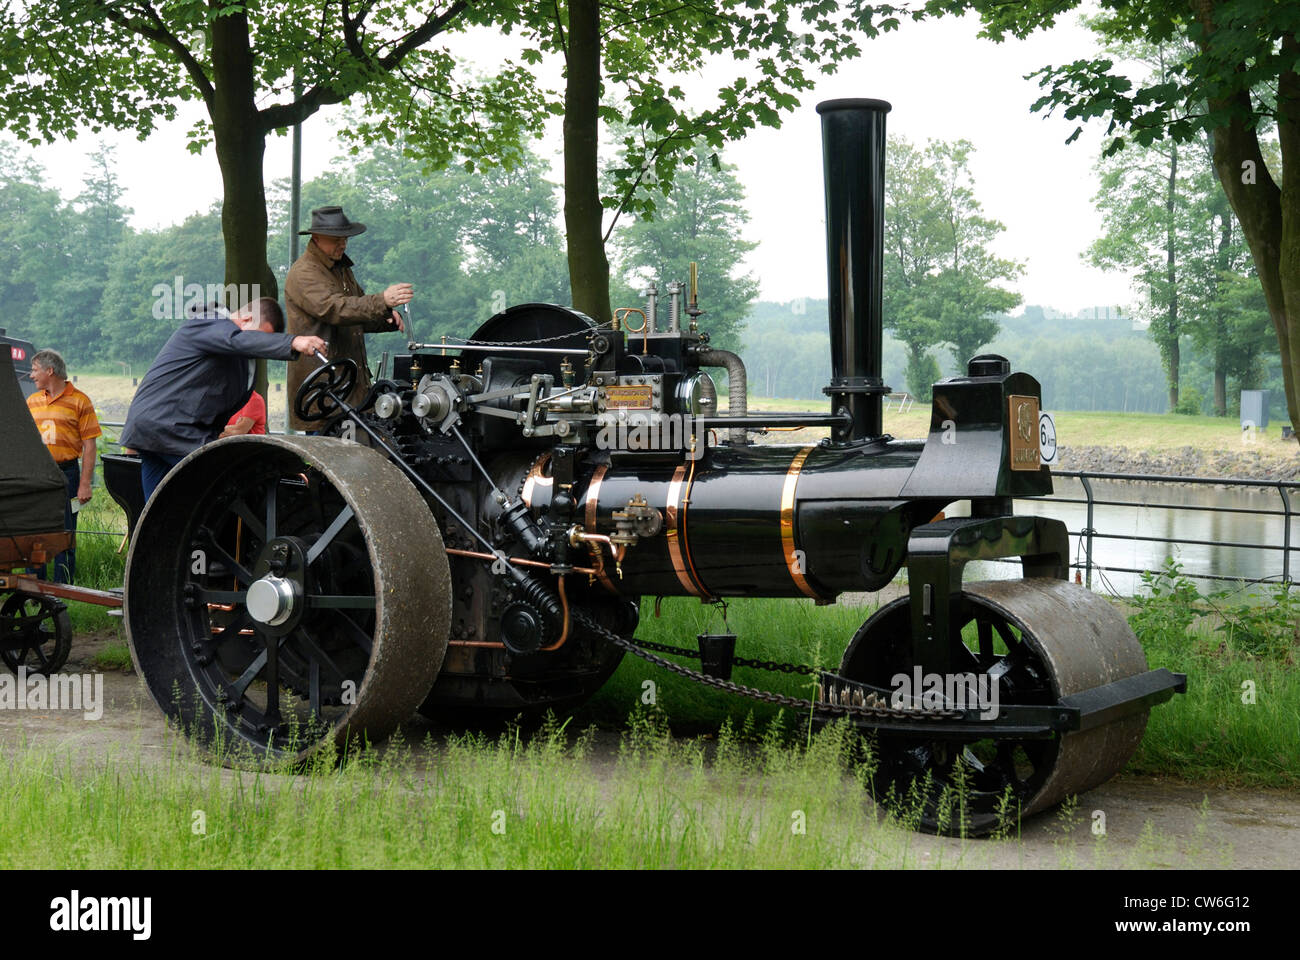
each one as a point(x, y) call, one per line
point(1148, 432)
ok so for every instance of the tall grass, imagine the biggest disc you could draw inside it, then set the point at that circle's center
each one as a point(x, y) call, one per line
point(1240, 718)
point(655, 802)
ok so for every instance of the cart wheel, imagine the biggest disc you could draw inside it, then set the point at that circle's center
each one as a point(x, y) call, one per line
point(35, 632)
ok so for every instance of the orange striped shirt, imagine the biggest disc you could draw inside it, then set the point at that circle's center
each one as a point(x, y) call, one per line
point(65, 421)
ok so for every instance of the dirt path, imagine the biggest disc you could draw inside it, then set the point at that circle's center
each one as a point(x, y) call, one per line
point(1148, 822)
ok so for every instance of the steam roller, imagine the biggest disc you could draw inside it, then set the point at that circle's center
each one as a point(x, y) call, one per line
point(474, 541)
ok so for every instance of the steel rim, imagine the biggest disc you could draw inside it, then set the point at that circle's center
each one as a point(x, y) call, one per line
point(1018, 633)
point(264, 628)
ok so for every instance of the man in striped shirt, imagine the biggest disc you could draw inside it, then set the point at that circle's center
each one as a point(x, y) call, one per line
point(66, 418)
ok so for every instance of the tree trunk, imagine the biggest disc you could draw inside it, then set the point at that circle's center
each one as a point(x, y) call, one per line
point(1269, 216)
point(1171, 278)
point(1220, 320)
point(583, 214)
point(240, 141)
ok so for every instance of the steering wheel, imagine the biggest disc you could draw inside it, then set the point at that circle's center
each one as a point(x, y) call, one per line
point(313, 401)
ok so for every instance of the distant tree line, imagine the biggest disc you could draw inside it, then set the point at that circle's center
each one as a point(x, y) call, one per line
point(83, 281)
point(1102, 364)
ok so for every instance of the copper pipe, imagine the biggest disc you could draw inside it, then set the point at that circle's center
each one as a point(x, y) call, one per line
point(644, 329)
point(617, 553)
point(519, 560)
point(498, 645)
point(564, 634)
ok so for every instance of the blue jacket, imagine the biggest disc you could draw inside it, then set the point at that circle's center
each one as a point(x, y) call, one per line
point(198, 381)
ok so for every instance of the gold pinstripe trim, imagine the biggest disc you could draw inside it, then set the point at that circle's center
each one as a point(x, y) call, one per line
point(787, 523)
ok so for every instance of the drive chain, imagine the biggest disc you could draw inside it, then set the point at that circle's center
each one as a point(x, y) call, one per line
point(642, 649)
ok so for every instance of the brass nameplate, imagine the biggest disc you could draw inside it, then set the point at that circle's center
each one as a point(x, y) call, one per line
point(1024, 433)
point(629, 398)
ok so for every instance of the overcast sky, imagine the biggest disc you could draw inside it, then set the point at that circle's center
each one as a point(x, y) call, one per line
point(943, 84)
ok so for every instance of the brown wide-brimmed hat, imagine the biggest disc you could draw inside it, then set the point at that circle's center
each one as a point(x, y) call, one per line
point(331, 222)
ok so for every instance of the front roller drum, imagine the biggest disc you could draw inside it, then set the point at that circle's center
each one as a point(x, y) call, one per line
point(1036, 640)
point(286, 593)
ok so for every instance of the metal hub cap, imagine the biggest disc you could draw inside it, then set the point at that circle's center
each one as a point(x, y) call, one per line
point(270, 600)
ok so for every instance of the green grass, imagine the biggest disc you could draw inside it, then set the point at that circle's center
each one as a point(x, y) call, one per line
point(552, 801)
point(99, 564)
point(1209, 734)
point(116, 656)
point(471, 803)
point(1234, 649)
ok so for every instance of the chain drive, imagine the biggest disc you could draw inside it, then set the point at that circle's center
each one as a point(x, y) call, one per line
point(836, 694)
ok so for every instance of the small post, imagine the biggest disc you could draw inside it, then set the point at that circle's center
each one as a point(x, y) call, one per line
point(1088, 531)
point(1286, 534)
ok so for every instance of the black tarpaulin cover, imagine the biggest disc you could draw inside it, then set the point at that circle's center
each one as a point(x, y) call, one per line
point(32, 488)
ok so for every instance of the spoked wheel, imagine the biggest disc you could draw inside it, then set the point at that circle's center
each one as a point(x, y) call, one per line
point(1030, 642)
point(286, 592)
point(313, 401)
point(35, 632)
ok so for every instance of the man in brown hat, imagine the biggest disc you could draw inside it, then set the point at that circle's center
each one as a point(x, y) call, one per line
point(325, 300)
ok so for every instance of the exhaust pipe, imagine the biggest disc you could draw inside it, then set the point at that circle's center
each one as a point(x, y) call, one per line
point(853, 164)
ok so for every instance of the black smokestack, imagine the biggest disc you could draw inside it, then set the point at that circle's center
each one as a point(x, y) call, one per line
point(853, 161)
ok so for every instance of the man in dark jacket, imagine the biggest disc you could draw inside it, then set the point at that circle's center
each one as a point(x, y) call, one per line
point(202, 376)
point(324, 299)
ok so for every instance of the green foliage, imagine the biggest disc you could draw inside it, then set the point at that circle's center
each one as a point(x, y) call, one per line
point(1169, 224)
point(1190, 402)
point(1169, 601)
point(922, 372)
point(1269, 630)
point(257, 69)
point(940, 281)
point(1231, 72)
point(1237, 718)
point(470, 243)
point(88, 285)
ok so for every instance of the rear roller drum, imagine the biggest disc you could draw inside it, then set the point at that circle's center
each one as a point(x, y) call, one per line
point(283, 593)
point(1036, 640)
